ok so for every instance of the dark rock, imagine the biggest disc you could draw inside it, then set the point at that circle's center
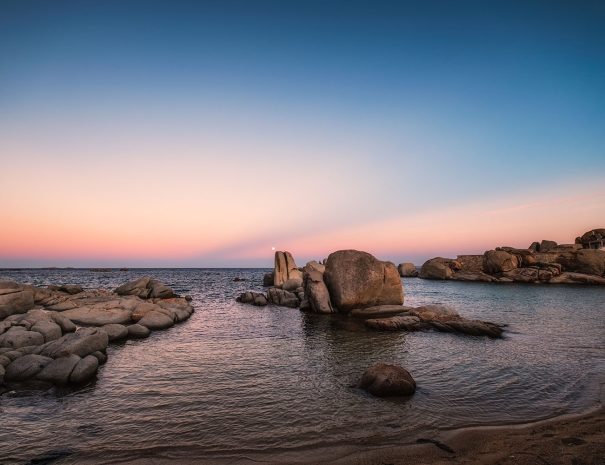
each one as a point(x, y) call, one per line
point(26, 367)
point(84, 370)
point(137, 331)
point(545, 246)
point(282, 298)
point(83, 342)
point(268, 279)
point(156, 320)
point(255, 298)
point(58, 371)
point(384, 380)
point(71, 289)
point(115, 332)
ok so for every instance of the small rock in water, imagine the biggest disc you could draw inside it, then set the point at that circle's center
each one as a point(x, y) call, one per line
point(385, 380)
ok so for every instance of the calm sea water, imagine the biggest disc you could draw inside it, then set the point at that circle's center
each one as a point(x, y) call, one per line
point(239, 381)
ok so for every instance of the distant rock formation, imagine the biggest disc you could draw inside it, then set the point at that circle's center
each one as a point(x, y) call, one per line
point(59, 335)
point(542, 262)
point(358, 284)
point(407, 270)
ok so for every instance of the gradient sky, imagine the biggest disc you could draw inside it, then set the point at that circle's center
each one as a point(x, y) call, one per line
point(205, 133)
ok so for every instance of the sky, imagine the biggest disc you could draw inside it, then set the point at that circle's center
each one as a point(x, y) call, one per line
point(207, 133)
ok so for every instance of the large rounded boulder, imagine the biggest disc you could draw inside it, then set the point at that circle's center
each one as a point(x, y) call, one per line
point(439, 268)
point(385, 380)
point(499, 261)
point(357, 279)
point(407, 270)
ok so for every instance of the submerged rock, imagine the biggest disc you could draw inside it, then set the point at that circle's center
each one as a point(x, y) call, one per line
point(357, 279)
point(386, 380)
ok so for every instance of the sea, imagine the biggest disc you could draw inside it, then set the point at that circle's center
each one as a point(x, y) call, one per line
point(238, 383)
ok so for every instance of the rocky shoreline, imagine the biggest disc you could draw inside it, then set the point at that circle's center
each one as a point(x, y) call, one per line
point(58, 335)
point(544, 262)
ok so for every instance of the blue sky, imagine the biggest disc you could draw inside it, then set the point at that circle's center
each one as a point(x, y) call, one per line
point(343, 113)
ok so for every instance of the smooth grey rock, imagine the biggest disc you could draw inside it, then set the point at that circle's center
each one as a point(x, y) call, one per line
point(83, 342)
point(59, 370)
point(15, 339)
point(138, 331)
point(115, 332)
point(4, 360)
point(66, 325)
point(156, 320)
point(15, 300)
point(98, 316)
point(48, 329)
point(100, 356)
point(84, 370)
point(26, 367)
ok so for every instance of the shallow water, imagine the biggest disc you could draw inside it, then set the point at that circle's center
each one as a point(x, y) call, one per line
point(239, 381)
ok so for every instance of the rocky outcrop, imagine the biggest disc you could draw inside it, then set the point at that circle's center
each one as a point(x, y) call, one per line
point(435, 317)
point(255, 298)
point(407, 270)
point(146, 288)
point(316, 292)
point(386, 380)
point(285, 269)
point(541, 262)
point(268, 278)
point(357, 279)
point(282, 298)
point(45, 345)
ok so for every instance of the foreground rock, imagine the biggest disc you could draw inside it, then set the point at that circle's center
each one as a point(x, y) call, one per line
point(357, 279)
point(40, 340)
point(386, 380)
point(542, 262)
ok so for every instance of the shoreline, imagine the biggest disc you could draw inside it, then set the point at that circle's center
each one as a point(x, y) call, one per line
point(572, 438)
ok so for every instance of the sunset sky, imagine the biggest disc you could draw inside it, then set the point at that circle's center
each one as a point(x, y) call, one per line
point(205, 133)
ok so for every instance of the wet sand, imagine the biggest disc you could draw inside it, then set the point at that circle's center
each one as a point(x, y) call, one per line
point(570, 440)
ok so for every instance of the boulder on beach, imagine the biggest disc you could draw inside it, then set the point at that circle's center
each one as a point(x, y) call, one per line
point(84, 370)
point(386, 380)
point(59, 370)
point(137, 331)
point(115, 332)
point(99, 314)
point(585, 261)
point(83, 342)
point(26, 367)
point(268, 279)
point(407, 270)
point(546, 246)
point(357, 279)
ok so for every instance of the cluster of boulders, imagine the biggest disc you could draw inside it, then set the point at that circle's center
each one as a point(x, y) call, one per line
point(359, 285)
point(59, 334)
point(541, 262)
